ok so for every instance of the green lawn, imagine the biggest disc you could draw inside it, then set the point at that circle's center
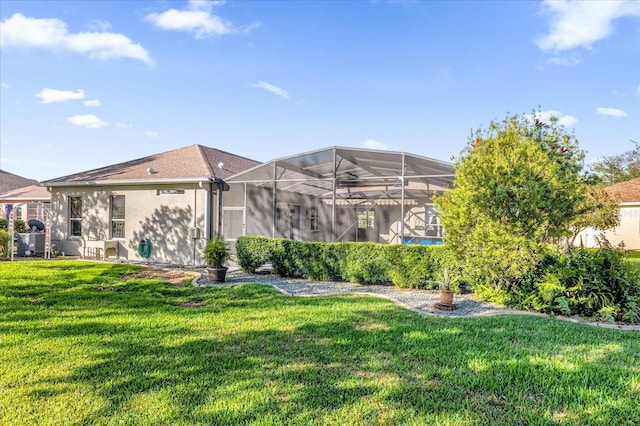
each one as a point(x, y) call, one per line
point(81, 345)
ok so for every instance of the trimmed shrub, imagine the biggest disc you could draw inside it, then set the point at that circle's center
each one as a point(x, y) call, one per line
point(252, 252)
point(18, 225)
point(365, 263)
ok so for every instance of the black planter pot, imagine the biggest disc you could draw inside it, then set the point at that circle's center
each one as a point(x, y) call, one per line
point(218, 275)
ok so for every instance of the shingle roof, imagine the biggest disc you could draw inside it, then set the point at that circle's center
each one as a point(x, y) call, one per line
point(625, 192)
point(191, 162)
point(9, 181)
point(26, 193)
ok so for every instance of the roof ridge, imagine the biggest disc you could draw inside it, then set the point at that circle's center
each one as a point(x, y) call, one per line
point(201, 148)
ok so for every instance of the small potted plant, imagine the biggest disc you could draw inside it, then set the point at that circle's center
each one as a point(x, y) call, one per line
point(216, 253)
point(448, 286)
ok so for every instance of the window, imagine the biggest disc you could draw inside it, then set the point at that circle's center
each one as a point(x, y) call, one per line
point(75, 216)
point(313, 219)
point(366, 220)
point(117, 216)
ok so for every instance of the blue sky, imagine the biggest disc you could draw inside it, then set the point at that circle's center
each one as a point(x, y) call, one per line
point(91, 83)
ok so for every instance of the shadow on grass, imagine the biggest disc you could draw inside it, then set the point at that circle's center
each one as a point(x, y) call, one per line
point(247, 354)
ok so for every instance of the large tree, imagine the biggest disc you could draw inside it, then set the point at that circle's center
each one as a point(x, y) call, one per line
point(619, 168)
point(518, 188)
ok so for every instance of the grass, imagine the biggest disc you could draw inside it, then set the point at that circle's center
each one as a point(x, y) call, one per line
point(81, 344)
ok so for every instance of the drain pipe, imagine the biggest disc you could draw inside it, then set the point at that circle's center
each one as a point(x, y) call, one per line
point(207, 209)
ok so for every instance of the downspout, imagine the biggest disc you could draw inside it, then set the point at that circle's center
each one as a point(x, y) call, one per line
point(207, 209)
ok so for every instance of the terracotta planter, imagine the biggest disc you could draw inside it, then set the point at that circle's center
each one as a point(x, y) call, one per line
point(218, 275)
point(446, 297)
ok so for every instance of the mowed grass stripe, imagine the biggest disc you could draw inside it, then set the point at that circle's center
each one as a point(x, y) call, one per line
point(81, 343)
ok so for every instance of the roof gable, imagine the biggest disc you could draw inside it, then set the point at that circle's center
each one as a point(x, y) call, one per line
point(9, 181)
point(188, 163)
point(625, 192)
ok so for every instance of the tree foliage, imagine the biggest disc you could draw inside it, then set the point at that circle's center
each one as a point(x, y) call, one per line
point(518, 188)
point(619, 168)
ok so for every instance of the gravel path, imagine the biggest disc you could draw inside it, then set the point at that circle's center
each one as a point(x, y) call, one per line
point(420, 301)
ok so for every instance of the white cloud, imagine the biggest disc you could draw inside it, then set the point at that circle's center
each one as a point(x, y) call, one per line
point(151, 134)
point(52, 34)
point(123, 125)
point(578, 23)
point(271, 88)
point(374, 144)
point(6, 86)
point(561, 119)
point(92, 103)
point(565, 61)
point(50, 96)
point(612, 112)
point(638, 90)
point(99, 25)
point(196, 18)
point(89, 121)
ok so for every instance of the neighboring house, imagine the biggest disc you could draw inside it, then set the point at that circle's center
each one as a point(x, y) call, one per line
point(627, 194)
point(10, 182)
point(173, 199)
point(29, 202)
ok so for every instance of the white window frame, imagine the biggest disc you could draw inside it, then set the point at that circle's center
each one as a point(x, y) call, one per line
point(72, 219)
point(117, 220)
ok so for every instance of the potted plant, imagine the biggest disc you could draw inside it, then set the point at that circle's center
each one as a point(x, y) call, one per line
point(216, 253)
point(449, 285)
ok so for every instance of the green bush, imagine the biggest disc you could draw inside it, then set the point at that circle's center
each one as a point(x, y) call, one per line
point(415, 266)
point(365, 263)
point(4, 244)
point(18, 225)
point(253, 251)
point(596, 283)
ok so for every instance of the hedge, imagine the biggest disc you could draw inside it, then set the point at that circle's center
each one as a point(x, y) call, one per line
point(408, 266)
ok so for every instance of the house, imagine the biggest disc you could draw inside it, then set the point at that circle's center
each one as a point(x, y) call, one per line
point(12, 192)
point(627, 194)
point(169, 201)
point(339, 194)
point(175, 200)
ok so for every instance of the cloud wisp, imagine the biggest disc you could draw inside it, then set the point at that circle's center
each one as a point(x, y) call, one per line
point(50, 96)
point(577, 23)
point(92, 103)
point(279, 91)
point(612, 112)
point(51, 34)
point(88, 121)
point(374, 144)
point(196, 18)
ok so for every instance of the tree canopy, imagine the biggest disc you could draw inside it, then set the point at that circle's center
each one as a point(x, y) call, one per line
point(519, 188)
point(619, 168)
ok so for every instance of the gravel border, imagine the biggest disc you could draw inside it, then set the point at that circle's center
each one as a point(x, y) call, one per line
point(419, 301)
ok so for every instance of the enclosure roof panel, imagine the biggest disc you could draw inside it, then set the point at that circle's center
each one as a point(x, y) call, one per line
point(313, 172)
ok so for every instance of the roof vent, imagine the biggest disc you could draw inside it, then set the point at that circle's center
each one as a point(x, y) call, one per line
point(150, 171)
point(221, 165)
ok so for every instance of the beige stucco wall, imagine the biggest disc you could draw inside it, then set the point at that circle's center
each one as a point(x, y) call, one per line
point(628, 232)
point(164, 219)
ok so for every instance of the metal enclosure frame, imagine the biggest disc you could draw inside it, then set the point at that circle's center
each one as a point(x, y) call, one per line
point(335, 184)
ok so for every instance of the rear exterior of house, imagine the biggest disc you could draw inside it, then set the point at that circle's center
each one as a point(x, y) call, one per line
point(171, 200)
